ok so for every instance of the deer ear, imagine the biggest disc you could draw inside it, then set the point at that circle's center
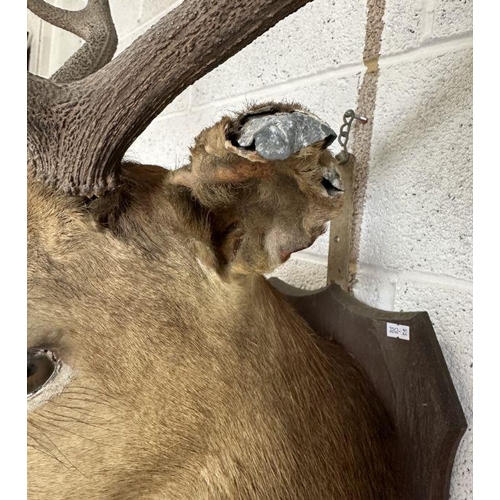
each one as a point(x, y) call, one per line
point(270, 135)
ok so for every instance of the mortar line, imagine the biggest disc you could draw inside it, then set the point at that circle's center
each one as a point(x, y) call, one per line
point(387, 287)
point(376, 269)
point(366, 105)
point(428, 15)
point(419, 276)
point(393, 290)
point(38, 54)
point(311, 258)
point(141, 12)
point(431, 49)
point(291, 84)
point(438, 279)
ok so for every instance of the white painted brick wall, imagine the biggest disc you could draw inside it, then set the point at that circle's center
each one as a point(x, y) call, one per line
point(416, 239)
point(419, 199)
point(404, 23)
point(301, 45)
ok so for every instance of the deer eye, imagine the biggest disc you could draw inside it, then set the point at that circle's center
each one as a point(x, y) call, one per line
point(48, 375)
point(43, 365)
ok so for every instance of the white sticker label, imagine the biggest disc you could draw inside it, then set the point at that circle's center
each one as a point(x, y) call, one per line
point(398, 331)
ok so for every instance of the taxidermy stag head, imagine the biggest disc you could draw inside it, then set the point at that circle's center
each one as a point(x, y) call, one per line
point(160, 362)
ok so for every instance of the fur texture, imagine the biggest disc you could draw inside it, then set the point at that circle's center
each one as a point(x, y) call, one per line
point(192, 379)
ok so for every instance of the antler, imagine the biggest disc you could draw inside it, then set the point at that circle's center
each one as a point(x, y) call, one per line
point(94, 24)
point(78, 132)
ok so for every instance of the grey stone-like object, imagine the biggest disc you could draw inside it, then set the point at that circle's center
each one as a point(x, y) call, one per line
point(280, 135)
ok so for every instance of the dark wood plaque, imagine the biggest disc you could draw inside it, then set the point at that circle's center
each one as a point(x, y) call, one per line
point(410, 377)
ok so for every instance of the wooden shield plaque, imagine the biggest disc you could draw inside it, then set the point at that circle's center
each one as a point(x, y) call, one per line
point(403, 360)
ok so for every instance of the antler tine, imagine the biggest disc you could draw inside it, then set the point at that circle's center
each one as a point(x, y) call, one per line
point(78, 135)
point(94, 24)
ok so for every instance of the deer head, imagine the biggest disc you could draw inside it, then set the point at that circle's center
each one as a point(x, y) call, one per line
point(160, 364)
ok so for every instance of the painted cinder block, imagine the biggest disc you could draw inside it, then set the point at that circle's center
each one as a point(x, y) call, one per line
point(165, 143)
point(305, 274)
point(403, 26)
point(154, 8)
point(179, 105)
point(418, 212)
point(322, 35)
point(452, 17)
point(367, 289)
point(375, 287)
point(126, 16)
point(167, 140)
point(450, 310)
point(321, 245)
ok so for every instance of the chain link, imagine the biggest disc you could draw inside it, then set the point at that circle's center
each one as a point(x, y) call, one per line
point(345, 130)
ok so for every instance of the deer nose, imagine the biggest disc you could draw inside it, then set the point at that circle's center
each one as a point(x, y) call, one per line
point(331, 182)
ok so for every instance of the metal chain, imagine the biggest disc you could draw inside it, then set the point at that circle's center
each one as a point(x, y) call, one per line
point(345, 130)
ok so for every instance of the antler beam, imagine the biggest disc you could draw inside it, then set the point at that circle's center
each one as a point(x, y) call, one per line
point(96, 119)
point(94, 24)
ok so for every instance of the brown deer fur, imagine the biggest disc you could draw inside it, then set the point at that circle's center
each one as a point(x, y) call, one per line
point(183, 374)
point(192, 378)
